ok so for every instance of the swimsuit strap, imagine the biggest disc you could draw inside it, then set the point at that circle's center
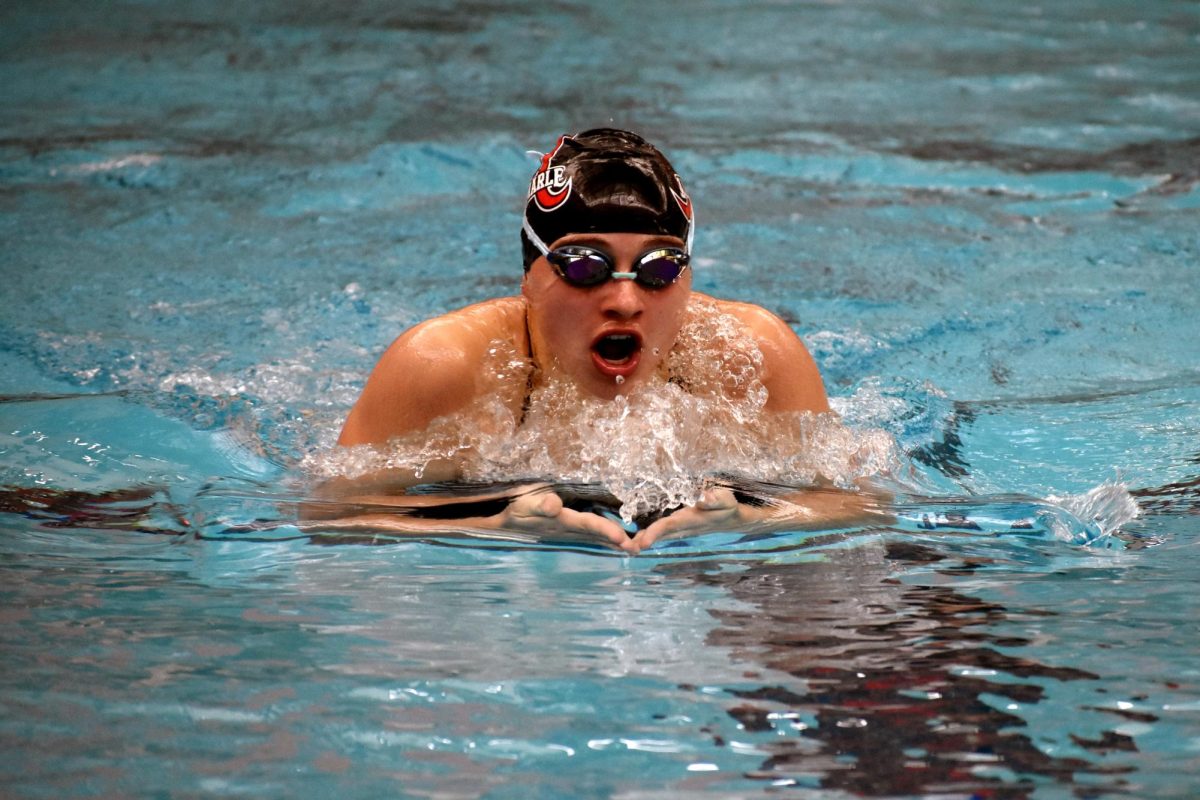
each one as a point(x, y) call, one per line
point(529, 376)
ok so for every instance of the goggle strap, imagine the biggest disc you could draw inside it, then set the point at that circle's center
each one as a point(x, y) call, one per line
point(542, 247)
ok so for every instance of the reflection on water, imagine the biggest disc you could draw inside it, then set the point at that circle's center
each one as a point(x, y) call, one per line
point(897, 687)
point(130, 509)
point(880, 662)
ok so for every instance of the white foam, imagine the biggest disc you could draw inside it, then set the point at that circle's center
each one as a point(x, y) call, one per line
point(1107, 507)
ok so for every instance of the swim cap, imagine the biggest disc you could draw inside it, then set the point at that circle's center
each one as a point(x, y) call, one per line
point(604, 180)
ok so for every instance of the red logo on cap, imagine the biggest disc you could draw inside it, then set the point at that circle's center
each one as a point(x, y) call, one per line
point(550, 186)
point(681, 197)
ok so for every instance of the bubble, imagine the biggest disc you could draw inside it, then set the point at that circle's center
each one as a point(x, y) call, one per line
point(620, 379)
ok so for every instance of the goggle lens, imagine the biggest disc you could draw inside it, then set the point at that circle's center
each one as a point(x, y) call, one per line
point(586, 266)
point(581, 268)
point(662, 267)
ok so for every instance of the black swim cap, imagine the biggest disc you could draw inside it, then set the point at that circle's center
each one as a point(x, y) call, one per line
point(604, 180)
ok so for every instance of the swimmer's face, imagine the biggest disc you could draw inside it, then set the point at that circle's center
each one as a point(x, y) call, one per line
point(617, 329)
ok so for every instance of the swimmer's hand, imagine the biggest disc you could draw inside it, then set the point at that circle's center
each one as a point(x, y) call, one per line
point(718, 509)
point(542, 512)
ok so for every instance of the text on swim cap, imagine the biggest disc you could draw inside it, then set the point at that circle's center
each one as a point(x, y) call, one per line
point(550, 187)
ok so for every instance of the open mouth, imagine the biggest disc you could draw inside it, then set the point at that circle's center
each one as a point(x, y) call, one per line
point(617, 348)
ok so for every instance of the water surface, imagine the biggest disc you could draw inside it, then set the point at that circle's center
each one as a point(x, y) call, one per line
point(980, 219)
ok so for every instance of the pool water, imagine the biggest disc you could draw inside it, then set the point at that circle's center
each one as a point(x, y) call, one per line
point(982, 219)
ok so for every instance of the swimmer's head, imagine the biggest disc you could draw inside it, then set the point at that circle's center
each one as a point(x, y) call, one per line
point(604, 180)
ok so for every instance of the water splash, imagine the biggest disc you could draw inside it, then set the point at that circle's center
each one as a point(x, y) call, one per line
point(1104, 509)
point(655, 447)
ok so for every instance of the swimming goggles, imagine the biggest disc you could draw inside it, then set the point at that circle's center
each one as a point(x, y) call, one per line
point(586, 266)
point(580, 265)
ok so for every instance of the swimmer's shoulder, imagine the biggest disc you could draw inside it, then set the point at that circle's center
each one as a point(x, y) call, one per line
point(758, 319)
point(468, 331)
point(790, 374)
point(433, 369)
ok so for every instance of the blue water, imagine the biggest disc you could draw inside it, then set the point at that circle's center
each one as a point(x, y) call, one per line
point(982, 218)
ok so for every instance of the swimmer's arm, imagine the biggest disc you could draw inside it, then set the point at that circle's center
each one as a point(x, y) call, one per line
point(531, 512)
point(386, 487)
point(430, 371)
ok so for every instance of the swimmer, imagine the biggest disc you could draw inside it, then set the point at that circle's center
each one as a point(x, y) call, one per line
point(607, 243)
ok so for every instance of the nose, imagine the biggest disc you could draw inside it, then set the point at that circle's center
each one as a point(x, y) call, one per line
point(623, 299)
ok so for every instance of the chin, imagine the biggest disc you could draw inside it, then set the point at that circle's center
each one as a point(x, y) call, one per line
point(607, 388)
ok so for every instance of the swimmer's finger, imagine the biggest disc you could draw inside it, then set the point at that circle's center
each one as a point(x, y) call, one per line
point(542, 512)
point(587, 522)
point(680, 523)
point(717, 508)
